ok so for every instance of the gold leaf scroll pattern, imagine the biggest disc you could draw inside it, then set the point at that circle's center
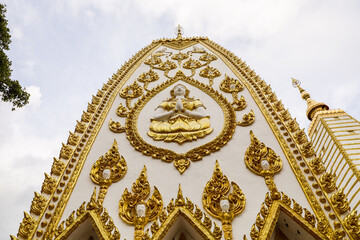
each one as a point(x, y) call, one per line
point(233, 86)
point(210, 73)
point(181, 161)
point(107, 170)
point(263, 161)
point(148, 77)
point(134, 210)
point(128, 93)
point(221, 204)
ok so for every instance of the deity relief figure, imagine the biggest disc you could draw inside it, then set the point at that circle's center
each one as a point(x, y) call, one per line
point(180, 118)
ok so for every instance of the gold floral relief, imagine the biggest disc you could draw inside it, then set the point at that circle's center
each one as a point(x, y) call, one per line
point(108, 169)
point(181, 161)
point(340, 201)
point(221, 204)
point(210, 73)
point(261, 159)
point(233, 86)
point(130, 92)
point(208, 57)
point(247, 119)
point(148, 77)
point(134, 210)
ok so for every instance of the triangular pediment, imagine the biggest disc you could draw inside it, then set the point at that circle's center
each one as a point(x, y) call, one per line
point(291, 221)
point(182, 218)
point(89, 221)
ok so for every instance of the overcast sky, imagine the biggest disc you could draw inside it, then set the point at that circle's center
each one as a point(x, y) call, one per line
point(63, 51)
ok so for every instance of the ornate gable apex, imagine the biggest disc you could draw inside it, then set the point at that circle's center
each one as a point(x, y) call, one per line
point(215, 78)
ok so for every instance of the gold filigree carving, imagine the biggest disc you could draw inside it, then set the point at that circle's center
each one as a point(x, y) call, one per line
point(300, 136)
point(66, 151)
point(233, 86)
point(210, 73)
point(293, 125)
point(317, 165)
point(285, 115)
point(166, 66)
point(116, 127)
point(80, 127)
point(179, 57)
point(121, 111)
point(86, 117)
point(49, 184)
point(91, 108)
point(153, 60)
point(221, 204)
point(180, 160)
point(328, 181)
point(57, 167)
point(193, 65)
point(263, 161)
point(260, 159)
point(38, 204)
point(352, 223)
point(134, 210)
point(107, 170)
point(180, 118)
point(27, 226)
point(307, 149)
point(73, 139)
point(96, 214)
point(208, 57)
point(129, 92)
point(148, 77)
point(247, 119)
point(279, 106)
point(340, 202)
point(191, 213)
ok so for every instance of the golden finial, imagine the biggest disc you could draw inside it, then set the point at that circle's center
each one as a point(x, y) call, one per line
point(179, 31)
point(312, 105)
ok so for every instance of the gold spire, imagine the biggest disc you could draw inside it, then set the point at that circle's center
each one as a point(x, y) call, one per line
point(312, 105)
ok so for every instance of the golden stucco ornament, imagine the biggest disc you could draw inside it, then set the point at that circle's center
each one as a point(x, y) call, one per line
point(352, 223)
point(247, 119)
point(132, 91)
point(221, 204)
point(108, 169)
point(328, 181)
point(263, 161)
point(210, 73)
point(340, 201)
point(148, 77)
point(134, 210)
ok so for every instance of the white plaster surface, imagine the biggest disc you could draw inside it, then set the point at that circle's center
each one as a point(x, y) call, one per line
point(167, 178)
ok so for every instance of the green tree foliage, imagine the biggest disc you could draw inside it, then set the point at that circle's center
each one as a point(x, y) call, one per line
point(10, 90)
